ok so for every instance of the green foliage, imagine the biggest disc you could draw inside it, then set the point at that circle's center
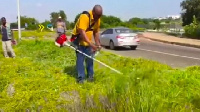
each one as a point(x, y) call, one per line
point(31, 22)
point(136, 21)
point(43, 78)
point(138, 29)
point(45, 23)
point(111, 20)
point(54, 17)
point(193, 30)
point(157, 24)
point(34, 34)
point(77, 17)
point(190, 8)
point(14, 25)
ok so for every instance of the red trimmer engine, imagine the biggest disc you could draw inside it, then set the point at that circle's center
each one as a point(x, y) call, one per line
point(61, 39)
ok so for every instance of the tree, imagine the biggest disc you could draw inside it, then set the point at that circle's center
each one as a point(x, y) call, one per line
point(189, 9)
point(106, 21)
point(136, 21)
point(14, 25)
point(77, 17)
point(54, 17)
point(110, 21)
point(45, 23)
point(193, 30)
point(71, 25)
point(146, 21)
point(157, 24)
point(63, 15)
point(31, 23)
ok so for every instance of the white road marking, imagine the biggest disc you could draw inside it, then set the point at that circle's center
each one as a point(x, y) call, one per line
point(188, 47)
point(169, 54)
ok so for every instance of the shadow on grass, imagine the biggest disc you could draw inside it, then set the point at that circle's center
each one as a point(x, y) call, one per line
point(71, 71)
point(9, 54)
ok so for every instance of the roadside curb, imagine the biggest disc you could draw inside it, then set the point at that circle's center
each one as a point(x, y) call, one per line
point(176, 43)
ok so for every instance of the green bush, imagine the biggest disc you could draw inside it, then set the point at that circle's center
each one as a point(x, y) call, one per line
point(138, 29)
point(192, 30)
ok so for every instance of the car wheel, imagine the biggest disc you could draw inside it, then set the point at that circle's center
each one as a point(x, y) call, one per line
point(133, 47)
point(111, 45)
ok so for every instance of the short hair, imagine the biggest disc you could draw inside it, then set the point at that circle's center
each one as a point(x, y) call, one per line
point(97, 6)
point(3, 18)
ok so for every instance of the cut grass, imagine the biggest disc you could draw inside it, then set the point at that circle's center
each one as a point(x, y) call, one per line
point(43, 78)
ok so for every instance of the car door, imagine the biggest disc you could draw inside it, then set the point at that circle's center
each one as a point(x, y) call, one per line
point(102, 37)
point(109, 35)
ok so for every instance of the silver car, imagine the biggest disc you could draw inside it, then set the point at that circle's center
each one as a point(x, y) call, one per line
point(119, 37)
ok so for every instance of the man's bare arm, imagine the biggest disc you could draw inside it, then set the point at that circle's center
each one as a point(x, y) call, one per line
point(85, 38)
point(96, 38)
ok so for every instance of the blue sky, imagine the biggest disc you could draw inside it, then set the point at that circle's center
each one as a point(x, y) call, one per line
point(124, 9)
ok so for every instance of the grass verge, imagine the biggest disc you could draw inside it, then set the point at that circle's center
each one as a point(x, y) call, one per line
point(43, 78)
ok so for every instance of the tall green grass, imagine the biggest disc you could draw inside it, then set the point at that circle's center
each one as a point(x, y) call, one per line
point(43, 78)
point(34, 34)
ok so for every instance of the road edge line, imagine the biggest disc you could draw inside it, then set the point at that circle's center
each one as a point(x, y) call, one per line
point(176, 43)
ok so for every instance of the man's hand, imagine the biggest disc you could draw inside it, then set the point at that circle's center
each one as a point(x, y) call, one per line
point(85, 38)
point(99, 47)
point(96, 38)
point(94, 47)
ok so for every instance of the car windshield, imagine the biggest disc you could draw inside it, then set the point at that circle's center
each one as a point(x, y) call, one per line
point(124, 31)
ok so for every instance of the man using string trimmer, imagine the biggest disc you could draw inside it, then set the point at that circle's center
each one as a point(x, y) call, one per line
point(87, 26)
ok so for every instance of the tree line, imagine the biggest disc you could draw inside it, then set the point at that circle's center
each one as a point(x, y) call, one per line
point(190, 20)
point(107, 21)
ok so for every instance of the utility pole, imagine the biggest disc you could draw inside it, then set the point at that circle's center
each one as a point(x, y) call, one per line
point(19, 19)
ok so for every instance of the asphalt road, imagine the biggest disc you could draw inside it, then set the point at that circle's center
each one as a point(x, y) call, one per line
point(173, 55)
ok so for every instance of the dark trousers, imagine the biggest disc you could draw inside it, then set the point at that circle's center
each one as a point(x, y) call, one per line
point(80, 62)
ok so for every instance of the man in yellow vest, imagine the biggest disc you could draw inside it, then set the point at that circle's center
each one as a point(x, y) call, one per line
point(87, 26)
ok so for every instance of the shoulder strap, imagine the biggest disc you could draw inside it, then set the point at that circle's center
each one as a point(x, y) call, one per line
point(88, 14)
point(90, 25)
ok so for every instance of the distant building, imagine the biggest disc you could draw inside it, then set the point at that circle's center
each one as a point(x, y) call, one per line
point(169, 17)
point(174, 16)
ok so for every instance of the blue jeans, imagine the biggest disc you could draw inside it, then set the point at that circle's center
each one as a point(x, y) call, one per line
point(80, 62)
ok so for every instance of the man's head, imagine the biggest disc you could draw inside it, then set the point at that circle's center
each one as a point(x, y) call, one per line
point(60, 18)
point(97, 12)
point(3, 20)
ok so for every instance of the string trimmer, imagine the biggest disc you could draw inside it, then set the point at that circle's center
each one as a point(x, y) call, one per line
point(62, 41)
